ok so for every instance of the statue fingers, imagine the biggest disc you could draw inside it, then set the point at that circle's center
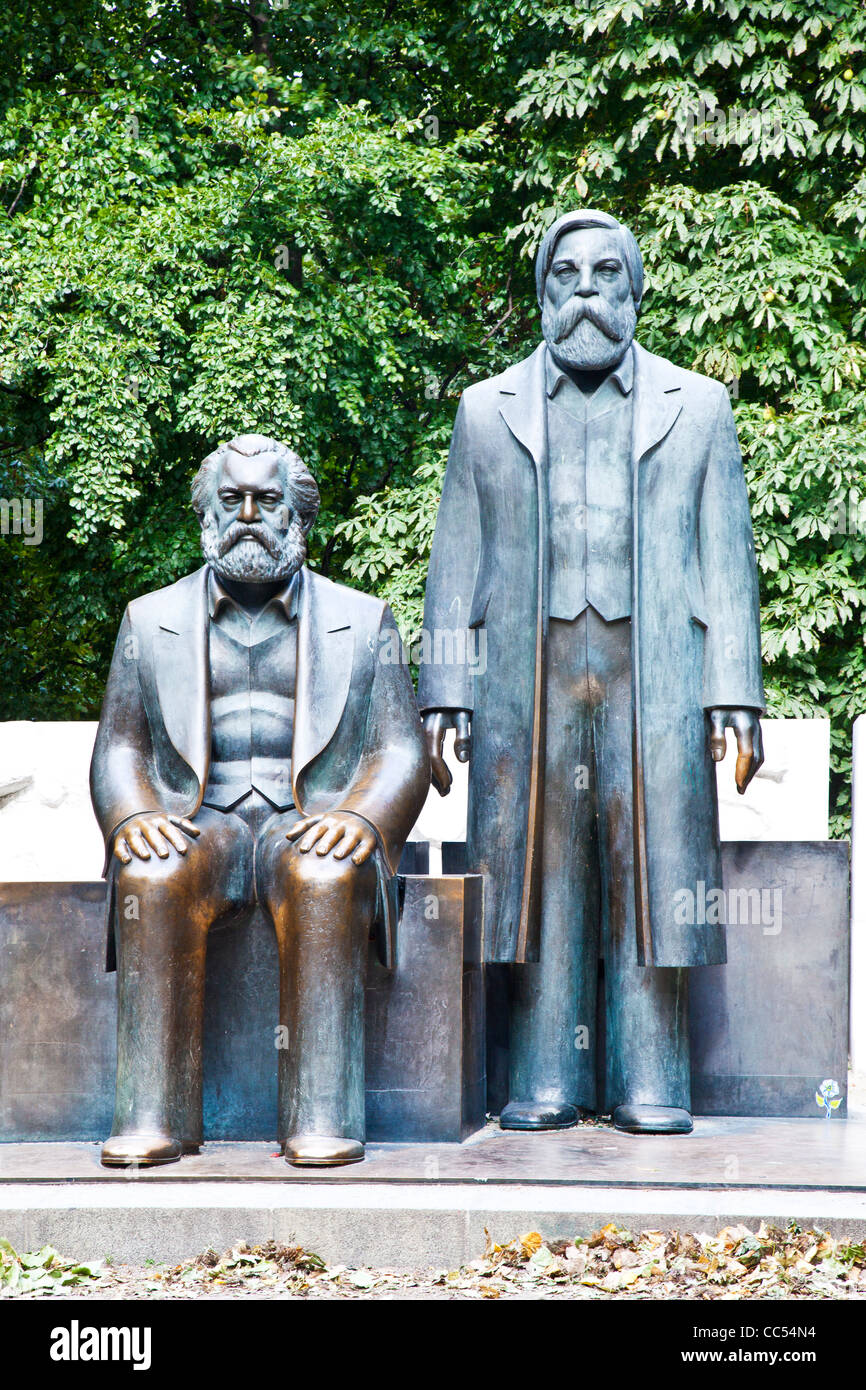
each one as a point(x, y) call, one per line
point(169, 832)
point(365, 848)
point(435, 741)
point(315, 833)
point(151, 832)
point(462, 737)
point(121, 850)
point(440, 775)
point(759, 744)
point(718, 743)
point(332, 837)
point(300, 826)
point(747, 764)
point(186, 825)
point(350, 840)
point(137, 844)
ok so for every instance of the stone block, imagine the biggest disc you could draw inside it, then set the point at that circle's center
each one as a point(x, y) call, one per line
point(772, 1024)
point(425, 1020)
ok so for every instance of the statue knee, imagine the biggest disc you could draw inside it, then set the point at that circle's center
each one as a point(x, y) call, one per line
point(292, 873)
point(149, 875)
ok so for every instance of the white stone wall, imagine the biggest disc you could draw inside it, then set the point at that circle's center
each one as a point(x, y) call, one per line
point(788, 799)
point(48, 832)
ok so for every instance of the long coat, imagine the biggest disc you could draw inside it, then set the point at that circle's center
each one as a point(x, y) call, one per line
point(357, 740)
point(695, 641)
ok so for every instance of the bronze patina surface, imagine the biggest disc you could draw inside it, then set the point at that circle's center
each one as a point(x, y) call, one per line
point(259, 743)
point(594, 566)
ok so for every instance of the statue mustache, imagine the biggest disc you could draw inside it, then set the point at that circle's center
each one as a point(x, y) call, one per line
point(575, 312)
point(239, 532)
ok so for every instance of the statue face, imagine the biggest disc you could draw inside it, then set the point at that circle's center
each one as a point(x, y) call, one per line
point(250, 532)
point(588, 315)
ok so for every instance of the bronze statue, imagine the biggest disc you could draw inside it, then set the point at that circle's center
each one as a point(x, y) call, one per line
point(594, 526)
point(259, 742)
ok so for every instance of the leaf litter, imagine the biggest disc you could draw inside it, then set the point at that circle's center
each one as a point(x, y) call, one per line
point(736, 1263)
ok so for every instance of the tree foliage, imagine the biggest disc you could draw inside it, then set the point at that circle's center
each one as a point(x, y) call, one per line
point(232, 216)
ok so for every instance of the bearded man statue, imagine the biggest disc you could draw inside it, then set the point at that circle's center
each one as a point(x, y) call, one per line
point(594, 525)
point(259, 744)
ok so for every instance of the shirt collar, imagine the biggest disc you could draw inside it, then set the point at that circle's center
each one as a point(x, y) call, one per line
point(623, 374)
point(286, 598)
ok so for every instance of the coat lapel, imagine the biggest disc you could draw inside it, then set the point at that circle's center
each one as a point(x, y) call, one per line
point(656, 409)
point(324, 672)
point(657, 401)
point(522, 401)
point(181, 672)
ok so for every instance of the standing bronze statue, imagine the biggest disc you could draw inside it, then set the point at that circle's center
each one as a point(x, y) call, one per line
point(595, 526)
point(259, 742)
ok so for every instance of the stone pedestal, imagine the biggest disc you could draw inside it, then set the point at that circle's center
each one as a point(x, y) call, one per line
point(772, 1024)
point(57, 1013)
point(425, 1020)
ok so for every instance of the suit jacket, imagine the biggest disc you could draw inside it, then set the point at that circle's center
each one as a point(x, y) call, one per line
point(695, 639)
point(358, 744)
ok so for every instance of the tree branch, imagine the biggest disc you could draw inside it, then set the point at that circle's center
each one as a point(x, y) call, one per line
point(17, 199)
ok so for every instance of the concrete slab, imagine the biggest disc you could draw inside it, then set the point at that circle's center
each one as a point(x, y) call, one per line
point(417, 1205)
point(400, 1226)
point(721, 1153)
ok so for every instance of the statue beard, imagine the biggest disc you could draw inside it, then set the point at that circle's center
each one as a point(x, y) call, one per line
point(591, 336)
point(253, 554)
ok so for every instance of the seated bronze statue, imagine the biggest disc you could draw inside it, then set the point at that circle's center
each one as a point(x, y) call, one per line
point(259, 743)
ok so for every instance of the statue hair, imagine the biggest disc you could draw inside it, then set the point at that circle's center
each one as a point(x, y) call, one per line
point(297, 478)
point(588, 217)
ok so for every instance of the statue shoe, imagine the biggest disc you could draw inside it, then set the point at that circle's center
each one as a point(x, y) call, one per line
point(140, 1150)
point(538, 1114)
point(652, 1119)
point(318, 1151)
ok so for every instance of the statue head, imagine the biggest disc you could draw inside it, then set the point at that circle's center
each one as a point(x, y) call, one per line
point(589, 280)
point(256, 503)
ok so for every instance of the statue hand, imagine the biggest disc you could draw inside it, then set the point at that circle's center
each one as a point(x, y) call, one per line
point(436, 722)
point(153, 831)
point(340, 832)
point(746, 724)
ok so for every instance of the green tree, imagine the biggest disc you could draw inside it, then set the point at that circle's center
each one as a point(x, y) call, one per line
point(224, 216)
point(729, 134)
point(189, 253)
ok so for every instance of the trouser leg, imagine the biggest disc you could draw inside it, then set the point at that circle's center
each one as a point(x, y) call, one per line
point(647, 1044)
point(553, 1011)
point(322, 909)
point(164, 910)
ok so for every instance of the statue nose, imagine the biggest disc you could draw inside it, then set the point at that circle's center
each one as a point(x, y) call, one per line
point(249, 511)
